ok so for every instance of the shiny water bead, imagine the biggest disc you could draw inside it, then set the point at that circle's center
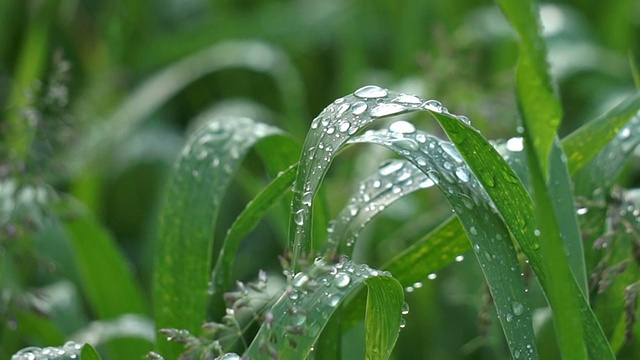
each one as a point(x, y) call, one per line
point(403, 127)
point(370, 92)
point(387, 110)
point(358, 108)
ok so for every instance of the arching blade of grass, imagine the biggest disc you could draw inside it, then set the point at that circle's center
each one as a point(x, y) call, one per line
point(298, 317)
point(516, 207)
point(540, 108)
point(585, 143)
point(490, 238)
point(183, 256)
point(157, 90)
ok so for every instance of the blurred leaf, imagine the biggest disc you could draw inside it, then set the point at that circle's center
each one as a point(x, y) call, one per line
point(157, 90)
point(585, 143)
point(106, 275)
point(431, 253)
point(187, 222)
point(89, 353)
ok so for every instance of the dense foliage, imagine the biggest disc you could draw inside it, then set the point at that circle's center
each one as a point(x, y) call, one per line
point(170, 184)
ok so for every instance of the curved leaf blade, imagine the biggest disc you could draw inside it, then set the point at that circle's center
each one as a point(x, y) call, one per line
point(183, 256)
point(297, 319)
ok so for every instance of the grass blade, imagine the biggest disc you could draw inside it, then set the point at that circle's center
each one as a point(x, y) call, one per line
point(183, 257)
point(516, 207)
point(585, 143)
point(244, 224)
point(157, 90)
point(540, 108)
point(311, 299)
point(105, 274)
point(89, 353)
point(382, 318)
point(491, 241)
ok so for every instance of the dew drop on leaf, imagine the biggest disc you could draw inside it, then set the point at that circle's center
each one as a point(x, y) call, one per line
point(358, 108)
point(342, 280)
point(299, 217)
point(405, 308)
point(515, 144)
point(403, 127)
point(307, 198)
point(370, 92)
point(433, 105)
point(517, 308)
point(387, 110)
point(409, 99)
point(390, 167)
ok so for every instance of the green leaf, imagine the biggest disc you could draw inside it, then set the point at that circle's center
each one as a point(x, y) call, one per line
point(301, 313)
point(585, 143)
point(539, 106)
point(183, 257)
point(382, 318)
point(445, 167)
point(431, 253)
point(516, 207)
point(244, 224)
point(149, 96)
point(89, 353)
point(105, 274)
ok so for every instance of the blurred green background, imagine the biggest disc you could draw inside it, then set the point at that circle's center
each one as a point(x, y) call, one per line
point(98, 97)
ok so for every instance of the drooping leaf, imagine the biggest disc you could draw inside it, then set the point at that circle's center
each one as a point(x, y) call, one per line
point(296, 320)
point(187, 222)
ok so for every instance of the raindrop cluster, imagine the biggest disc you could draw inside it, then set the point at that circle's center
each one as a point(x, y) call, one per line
point(70, 350)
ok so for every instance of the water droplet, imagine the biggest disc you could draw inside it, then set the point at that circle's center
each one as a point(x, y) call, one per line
point(390, 167)
point(515, 144)
point(463, 174)
point(536, 232)
point(331, 130)
point(432, 105)
point(517, 307)
point(386, 110)
point(421, 161)
point(432, 276)
point(434, 176)
point(625, 133)
point(459, 258)
point(342, 280)
point(417, 284)
point(406, 144)
point(333, 300)
point(370, 92)
point(344, 126)
point(421, 138)
point(403, 127)
point(426, 183)
point(473, 230)
point(300, 279)
point(582, 211)
point(299, 217)
point(476, 247)
point(508, 317)
point(307, 198)
point(341, 110)
point(229, 356)
point(358, 108)
point(405, 308)
point(516, 354)
point(403, 322)
point(410, 99)
point(464, 119)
